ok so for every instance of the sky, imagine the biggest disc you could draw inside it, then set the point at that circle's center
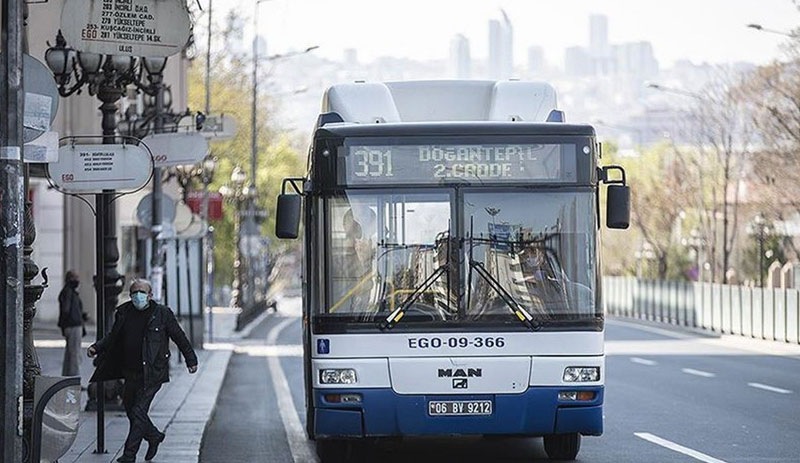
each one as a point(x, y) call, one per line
point(711, 31)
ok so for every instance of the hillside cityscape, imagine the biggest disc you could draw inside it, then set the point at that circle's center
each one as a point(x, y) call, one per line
point(607, 84)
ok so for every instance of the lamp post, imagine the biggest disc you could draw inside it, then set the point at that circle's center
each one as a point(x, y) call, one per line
point(12, 207)
point(761, 28)
point(677, 91)
point(695, 242)
point(236, 193)
point(107, 77)
point(207, 176)
point(761, 229)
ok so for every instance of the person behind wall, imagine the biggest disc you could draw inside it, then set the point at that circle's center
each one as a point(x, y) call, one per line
point(70, 319)
point(137, 349)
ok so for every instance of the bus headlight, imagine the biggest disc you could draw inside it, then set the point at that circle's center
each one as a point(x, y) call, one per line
point(581, 374)
point(337, 376)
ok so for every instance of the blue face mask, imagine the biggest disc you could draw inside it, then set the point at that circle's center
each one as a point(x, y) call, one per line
point(140, 300)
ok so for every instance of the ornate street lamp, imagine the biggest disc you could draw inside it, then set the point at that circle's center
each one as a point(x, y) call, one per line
point(237, 194)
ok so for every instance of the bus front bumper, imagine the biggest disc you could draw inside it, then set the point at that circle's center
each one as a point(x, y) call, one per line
point(383, 412)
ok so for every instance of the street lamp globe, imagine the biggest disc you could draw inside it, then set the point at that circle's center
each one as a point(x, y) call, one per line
point(238, 176)
point(60, 59)
point(209, 166)
point(90, 62)
point(154, 65)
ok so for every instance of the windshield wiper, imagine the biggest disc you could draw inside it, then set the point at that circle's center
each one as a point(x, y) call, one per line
point(397, 314)
point(393, 318)
point(516, 308)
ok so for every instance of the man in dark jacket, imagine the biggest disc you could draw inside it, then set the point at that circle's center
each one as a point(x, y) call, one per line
point(70, 320)
point(137, 349)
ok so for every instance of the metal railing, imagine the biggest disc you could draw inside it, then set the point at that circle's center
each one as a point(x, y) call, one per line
point(768, 313)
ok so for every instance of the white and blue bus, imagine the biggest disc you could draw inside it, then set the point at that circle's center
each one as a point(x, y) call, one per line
point(451, 280)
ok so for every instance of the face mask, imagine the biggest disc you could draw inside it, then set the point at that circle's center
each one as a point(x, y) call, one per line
point(74, 284)
point(139, 300)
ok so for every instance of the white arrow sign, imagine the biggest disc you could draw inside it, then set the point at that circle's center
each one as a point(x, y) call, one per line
point(94, 168)
point(176, 149)
point(153, 28)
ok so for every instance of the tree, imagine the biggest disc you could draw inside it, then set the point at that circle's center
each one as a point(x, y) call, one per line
point(713, 164)
point(277, 152)
point(774, 91)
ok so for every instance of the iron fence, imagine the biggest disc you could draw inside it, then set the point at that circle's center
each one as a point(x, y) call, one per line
point(768, 313)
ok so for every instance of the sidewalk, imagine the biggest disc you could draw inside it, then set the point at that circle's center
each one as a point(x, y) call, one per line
point(182, 408)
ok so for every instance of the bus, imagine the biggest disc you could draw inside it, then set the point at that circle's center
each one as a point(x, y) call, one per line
point(451, 281)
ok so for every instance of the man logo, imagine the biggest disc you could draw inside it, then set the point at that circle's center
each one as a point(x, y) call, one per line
point(460, 372)
point(460, 383)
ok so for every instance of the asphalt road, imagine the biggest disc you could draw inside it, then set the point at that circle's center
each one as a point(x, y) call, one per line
point(671, 396)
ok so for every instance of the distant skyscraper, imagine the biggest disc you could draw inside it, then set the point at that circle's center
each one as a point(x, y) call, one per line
point(636, 59)
point(501, 52)
point(598, 35)
point(577, 62)
point(460, 61)
point(599, 49)
point(536, 64)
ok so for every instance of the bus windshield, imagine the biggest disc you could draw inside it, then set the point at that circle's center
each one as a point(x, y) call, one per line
point(450, 257)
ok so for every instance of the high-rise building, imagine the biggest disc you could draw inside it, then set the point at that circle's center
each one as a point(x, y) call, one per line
point(460, 60)
point(599, 49)
point(635, 59)
point(598, 35)
point(501, 52)
point(536, 63)
point(577, 62)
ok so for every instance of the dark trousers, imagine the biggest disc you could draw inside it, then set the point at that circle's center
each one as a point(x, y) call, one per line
point(137, 399)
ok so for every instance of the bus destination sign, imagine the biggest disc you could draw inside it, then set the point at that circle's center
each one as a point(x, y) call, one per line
point(439, 163)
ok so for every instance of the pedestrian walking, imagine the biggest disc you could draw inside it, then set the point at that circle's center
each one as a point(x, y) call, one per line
point(137, 349)
point(70, 320)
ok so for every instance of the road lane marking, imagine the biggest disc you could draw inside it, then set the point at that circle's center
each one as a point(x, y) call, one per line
point(642, 361)
point(299, 445)
point(769, 388)
point(677, 448)
point(704, 374)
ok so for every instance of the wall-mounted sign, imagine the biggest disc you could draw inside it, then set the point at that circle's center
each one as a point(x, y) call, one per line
point(155, 28)
point(176, 149)
point(41, 98)
point(94, 168)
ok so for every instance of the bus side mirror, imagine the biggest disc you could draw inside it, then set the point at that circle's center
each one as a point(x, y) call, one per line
point(287, 221)
point(618, 206)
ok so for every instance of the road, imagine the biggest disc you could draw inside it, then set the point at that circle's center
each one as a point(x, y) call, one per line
point(671, 396)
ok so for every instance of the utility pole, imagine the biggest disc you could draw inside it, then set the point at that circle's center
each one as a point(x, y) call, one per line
point(12, 198)
point(156, 265)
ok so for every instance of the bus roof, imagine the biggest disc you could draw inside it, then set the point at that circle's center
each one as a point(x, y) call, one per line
point(442, 100)
point(456, 129)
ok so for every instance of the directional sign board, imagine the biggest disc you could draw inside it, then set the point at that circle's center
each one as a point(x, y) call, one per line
point(176, 149)
point(153, 28)
point(94, 168)
point(221, 127)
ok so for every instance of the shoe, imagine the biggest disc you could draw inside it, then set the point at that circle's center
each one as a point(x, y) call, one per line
point(152, 447)
point(126, 459)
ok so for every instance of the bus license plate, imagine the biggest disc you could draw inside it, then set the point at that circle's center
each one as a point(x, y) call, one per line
point(459, 407)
